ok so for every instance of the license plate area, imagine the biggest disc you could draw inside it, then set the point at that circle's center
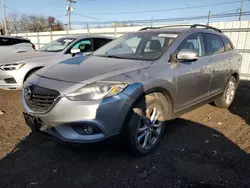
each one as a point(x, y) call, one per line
point(34, 123)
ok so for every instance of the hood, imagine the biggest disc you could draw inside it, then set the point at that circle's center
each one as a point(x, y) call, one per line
point(25, 56)
point(90, 69)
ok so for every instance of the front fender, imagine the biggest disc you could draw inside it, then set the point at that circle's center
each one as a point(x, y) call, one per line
point(137, 90)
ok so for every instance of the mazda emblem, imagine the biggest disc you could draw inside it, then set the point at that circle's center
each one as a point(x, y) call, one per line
point(27, 93)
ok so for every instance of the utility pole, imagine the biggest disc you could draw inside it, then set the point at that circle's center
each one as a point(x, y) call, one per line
point(208, 18)
point(5, 21)
point(241, 9)
point(69, 9)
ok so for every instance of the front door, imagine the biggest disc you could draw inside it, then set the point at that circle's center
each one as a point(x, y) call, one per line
point(193, 77)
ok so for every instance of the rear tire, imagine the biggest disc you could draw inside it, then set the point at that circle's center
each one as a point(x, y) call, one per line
point(228, 96)
point(146, 123)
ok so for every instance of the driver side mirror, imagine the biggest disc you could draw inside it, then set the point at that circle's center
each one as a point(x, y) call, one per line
point(75, 51)
point(187, 55)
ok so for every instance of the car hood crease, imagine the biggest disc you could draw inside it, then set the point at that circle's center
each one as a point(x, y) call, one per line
point(90, 69)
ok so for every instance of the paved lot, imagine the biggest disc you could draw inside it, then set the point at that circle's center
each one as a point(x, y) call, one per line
point(208, 147)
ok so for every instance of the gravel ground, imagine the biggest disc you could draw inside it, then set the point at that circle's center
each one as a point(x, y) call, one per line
point(208, 147)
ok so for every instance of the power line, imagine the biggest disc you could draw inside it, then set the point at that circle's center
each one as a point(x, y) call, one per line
point(84, 16)
point(201, 17)
point(164, 10)
point(50, 5)
point(15, 11)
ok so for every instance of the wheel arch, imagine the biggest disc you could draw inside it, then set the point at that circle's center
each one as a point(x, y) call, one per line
point(30, 71)
point(236, 75)
point(141, 92)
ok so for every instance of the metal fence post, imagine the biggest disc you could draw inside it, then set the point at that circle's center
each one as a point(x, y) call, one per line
point(38, 40)
point(51, 37)
point(115, 30)
point(88, 29)
point(67, 31)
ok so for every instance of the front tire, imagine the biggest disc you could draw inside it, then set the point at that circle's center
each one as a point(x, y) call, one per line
point(146, 124)
point(228, 96)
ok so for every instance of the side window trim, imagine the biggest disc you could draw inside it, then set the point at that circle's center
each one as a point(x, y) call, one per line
point(205, 43)
point(223, 44)
point(229, 42)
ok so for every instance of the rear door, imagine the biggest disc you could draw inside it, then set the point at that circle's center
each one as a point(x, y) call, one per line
point(219, 62)
point(193, 77)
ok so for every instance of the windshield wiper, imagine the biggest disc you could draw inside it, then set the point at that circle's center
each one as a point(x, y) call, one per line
point(114, 56)
point(111, 56)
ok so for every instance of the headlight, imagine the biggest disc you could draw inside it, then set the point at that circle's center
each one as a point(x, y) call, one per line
point(96, 91)
point(11, 66)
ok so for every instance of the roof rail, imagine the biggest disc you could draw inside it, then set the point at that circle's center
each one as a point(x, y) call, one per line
point(146, 28)
point(191, 26)
point(206, 26)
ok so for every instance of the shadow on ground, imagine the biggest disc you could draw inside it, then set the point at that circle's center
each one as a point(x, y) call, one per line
point(190, 155)
point(241, 104)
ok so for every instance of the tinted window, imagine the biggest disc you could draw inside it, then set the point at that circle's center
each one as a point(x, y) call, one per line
point(214, 44)
point(85, 45)
point(227, 44)
point(5, 41)
point(193, 42)
point(99, 42)
point(18, 41)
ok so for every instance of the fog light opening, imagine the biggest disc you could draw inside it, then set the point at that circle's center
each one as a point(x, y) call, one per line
point(85, 130)
point(89, 130)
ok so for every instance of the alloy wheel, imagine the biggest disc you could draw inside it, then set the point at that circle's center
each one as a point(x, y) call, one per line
point(149, 128)
point(230, 92)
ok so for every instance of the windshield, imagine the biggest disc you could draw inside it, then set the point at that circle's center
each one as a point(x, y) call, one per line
point(57, 45)
point(141, 46)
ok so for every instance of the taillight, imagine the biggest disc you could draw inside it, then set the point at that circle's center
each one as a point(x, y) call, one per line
point(33, 46)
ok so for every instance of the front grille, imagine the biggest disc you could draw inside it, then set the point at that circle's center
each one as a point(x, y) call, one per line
point(40, 99)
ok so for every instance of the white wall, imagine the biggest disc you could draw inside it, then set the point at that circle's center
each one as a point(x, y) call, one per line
point(240, 38)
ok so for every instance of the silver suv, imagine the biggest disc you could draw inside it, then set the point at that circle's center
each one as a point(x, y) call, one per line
point(133, 85)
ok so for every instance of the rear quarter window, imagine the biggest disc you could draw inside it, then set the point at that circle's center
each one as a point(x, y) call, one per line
point(227, 44)
point(18, 41)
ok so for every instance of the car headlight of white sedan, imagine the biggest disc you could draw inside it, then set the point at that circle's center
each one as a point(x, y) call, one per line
point(11, 66)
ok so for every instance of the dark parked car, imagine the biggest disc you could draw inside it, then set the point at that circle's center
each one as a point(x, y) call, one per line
point(133, 85)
